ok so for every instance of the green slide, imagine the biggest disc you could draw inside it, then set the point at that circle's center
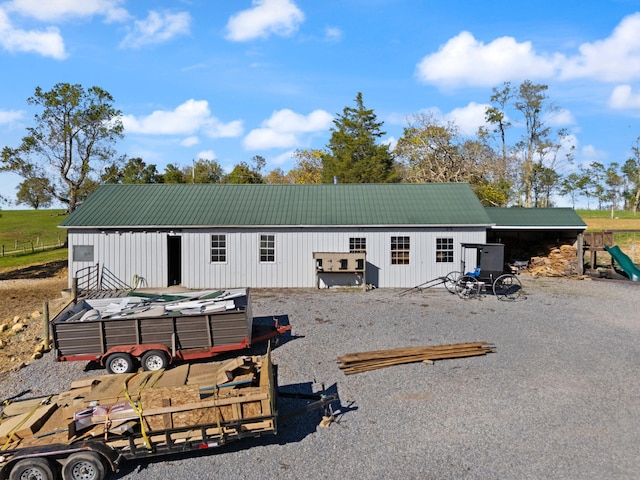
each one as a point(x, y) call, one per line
point(625, 263)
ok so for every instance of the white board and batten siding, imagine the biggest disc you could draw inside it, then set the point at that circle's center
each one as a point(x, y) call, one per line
point(144, 254)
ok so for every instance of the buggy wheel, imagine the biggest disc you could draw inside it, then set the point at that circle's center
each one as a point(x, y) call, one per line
point(119, 363)
point(467, 287)
point(32, 469)
point(451, 280)
point(154, 360)
point(83, 466)
point(507, 287)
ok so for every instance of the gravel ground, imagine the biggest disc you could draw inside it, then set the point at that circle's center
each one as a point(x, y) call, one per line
point(559, 399)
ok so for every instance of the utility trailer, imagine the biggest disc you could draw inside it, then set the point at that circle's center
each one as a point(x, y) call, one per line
point(87, 431)
point(156, 330)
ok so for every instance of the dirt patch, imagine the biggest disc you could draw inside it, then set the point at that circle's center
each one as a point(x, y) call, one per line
point(24, 292)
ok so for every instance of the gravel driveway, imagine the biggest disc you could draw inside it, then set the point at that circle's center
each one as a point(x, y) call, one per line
point(559, 399)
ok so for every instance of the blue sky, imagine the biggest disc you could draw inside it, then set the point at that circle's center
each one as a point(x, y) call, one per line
point(228, 80)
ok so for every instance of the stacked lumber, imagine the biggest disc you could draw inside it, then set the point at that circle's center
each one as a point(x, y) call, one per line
point(114, 406)
point(365, 361)
point(558, 262)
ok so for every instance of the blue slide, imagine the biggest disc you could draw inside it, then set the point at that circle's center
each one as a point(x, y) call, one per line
point(625, 263)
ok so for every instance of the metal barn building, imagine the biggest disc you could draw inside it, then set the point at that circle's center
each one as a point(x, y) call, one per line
point(269, 236)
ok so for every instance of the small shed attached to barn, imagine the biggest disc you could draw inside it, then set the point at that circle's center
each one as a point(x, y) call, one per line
point(526, 232)
point(269, 236)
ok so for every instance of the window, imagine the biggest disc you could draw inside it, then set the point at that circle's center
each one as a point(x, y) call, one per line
point(399, 250)
point(357, 245)
point(83, 253)
point(444, 250)
point(218, 248)
point(267, 248)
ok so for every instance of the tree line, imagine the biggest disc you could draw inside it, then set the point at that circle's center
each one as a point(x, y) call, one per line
point(517, 159)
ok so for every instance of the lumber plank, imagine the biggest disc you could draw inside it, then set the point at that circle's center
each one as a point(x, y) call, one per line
point(174, 377)
point(24, 425)
point(188, 406)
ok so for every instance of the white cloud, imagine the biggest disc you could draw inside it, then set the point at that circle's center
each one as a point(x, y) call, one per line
point(187, 119)
point(561, 118)
point(284, 128)
point(463, 60)
point(469, 118)
point(282, 158)
point(190, 141)
point(333, 34)
point(47, 43)
point(613, 59)
point(279, 17)
point(157, 28)
point(61, 10)
point(10, 116)
point(623, 98)
point(206, 155)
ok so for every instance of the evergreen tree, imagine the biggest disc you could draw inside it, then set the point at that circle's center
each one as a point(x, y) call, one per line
point(353, 155)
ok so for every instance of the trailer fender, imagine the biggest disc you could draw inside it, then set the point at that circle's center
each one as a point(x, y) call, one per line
point(60, 453)
point(136, 350)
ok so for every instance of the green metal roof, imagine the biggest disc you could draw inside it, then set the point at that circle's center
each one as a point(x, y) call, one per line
point(535, 218)
point(201, 205)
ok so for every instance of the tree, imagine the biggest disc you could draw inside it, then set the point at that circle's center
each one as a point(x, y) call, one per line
point(173, 174)
point(631, 170)
point(308, 169)
point(75, 129)
point(204, 171)
point(544, 181)
point(243, 173)
point(353, 155)
point(135, 170)
point(277, 176)
point(35, 193)
point(496, 115)
point(574, 184)
point(431, 151)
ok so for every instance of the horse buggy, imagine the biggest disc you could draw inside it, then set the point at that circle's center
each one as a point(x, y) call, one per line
point(489, 275)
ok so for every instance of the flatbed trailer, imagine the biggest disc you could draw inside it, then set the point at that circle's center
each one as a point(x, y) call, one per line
point(89, 430)
point(155, 330)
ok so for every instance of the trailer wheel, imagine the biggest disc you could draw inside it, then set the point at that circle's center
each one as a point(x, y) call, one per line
point(32, 469)
point(154, 360)
point(83, 466)
point(119, 363)
point(507, 287)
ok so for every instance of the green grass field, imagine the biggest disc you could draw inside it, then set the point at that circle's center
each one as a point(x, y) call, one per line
point(29, 237)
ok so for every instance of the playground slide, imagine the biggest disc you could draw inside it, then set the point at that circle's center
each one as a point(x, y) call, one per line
point(625, 263)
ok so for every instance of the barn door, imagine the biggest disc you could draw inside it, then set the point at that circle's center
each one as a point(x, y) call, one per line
point(174, 257)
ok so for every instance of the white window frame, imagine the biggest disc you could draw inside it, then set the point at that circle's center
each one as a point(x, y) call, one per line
point(220, 250)
point(444, 250)
point(400, 250)
point(267, 248)
point(357, 244)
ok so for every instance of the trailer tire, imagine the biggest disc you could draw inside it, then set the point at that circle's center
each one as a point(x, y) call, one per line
point(154, 360)
point(32, 469)
point(119, 363)
point(84, 466)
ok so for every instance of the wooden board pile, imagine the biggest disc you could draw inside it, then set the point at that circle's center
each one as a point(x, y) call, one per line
point(365, 361)
point(559, 262)
point(115, 406)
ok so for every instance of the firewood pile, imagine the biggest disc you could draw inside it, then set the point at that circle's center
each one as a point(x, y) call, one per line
point(558, 262)
point(365, 361)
